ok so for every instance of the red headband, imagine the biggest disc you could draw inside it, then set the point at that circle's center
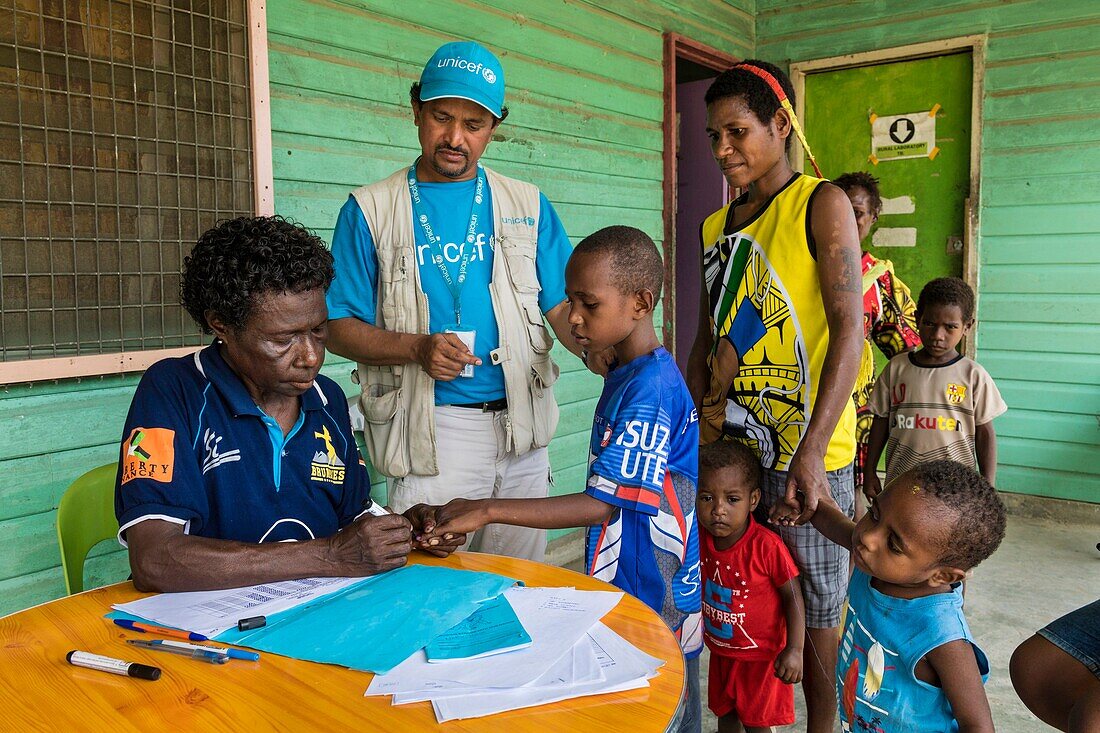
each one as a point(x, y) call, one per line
point(785, 103)
point(770, 80)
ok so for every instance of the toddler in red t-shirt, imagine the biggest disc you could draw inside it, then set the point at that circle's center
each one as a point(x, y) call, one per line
point(753, 618)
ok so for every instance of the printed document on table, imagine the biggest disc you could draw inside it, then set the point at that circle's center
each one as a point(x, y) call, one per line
point(556, 619)
point(493, 628)
point(624, 666)
point(579, 665)
point(212, 612)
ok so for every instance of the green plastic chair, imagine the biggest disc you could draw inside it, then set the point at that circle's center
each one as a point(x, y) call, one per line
point(85, 517)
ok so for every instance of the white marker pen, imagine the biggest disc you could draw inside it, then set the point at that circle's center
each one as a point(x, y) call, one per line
point(375, 509)
point(114, 666)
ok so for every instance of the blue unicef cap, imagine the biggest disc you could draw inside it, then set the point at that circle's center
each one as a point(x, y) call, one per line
point(466, 70)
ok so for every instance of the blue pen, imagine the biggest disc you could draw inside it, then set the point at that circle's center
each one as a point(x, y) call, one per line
point(163, 631)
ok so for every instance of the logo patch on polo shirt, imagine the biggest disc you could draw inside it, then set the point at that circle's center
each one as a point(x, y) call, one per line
point(149, 453)
point(326, 465)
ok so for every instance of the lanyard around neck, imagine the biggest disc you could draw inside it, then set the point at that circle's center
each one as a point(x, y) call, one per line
point(454, 284)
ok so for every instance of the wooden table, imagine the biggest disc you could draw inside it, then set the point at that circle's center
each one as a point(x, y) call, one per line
point(39, 690)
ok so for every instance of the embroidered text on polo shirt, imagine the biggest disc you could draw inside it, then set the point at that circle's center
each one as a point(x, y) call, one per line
point(327, 466)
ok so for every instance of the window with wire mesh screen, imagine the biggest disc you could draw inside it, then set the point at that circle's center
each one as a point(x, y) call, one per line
point(124, 134)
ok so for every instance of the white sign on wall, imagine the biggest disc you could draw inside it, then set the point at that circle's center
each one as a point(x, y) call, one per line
point(895, 137)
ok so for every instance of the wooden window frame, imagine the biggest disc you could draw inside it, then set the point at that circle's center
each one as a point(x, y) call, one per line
point(55, 368)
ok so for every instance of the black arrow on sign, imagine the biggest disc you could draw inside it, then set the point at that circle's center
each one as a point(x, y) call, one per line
point(902, 130)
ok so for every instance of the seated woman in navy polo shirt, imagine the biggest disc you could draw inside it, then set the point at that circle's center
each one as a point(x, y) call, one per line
point(238, 464)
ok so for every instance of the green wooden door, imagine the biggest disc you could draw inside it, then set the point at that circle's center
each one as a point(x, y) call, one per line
point(928, 195)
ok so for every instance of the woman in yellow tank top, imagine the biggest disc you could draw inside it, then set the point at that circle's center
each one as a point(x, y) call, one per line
point(780, 337)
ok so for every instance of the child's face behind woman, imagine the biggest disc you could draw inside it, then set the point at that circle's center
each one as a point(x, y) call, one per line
point(899, 541)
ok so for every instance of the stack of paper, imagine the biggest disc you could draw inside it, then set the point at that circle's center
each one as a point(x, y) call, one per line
point(494, 628)
point(571, 654)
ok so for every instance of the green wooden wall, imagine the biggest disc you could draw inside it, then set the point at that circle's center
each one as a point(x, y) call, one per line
point(1039, 267)
point(584, 87)
point(585, 84)
point(584, 90)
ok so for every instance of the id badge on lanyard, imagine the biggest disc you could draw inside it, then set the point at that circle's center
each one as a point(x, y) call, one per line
point(454, 284)
point(467, 335)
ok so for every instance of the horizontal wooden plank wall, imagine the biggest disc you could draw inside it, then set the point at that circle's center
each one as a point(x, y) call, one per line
point(584, 87)
point(1039, 272)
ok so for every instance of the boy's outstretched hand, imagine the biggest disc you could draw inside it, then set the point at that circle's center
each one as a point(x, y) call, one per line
point(425, 534)
point(461, 516)
point(788, 665)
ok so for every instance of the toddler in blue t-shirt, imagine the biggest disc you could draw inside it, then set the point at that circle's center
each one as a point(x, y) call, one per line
point(907, 661)
point(639, 503)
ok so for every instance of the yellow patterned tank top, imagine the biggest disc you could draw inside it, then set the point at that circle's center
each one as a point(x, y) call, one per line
point(766, 309)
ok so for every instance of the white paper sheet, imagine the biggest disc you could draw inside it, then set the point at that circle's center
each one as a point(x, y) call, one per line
point(579, 665)
point(212, 612)
point(624, 667)
point(556, 619)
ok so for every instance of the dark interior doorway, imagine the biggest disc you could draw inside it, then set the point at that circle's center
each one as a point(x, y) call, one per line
point(693, 185)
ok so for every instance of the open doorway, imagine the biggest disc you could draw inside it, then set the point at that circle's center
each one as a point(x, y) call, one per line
point(693, 184)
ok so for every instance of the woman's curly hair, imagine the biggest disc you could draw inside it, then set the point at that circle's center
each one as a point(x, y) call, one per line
point(241, 259)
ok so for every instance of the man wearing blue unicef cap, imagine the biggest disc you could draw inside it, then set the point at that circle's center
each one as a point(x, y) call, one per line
point(445, 271)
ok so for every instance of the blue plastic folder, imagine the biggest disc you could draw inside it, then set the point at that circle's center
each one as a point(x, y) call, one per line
point(492, 629)
point(375, 625)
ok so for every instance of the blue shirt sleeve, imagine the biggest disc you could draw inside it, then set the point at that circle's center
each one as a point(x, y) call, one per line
point(551, 256)
point(630, 471)
point(352, 293)
point(160, 476)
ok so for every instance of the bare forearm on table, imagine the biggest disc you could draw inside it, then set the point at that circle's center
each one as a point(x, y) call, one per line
point(164, 559)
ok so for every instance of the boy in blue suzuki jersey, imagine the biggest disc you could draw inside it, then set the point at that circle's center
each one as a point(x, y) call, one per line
point(639, 504)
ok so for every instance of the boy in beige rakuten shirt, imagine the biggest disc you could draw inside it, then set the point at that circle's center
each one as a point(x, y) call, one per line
point(934, 403)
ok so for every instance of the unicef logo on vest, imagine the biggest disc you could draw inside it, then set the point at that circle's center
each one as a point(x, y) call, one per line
point(528, 220)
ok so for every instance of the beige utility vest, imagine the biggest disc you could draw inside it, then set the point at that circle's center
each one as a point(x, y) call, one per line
point(398, 401)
